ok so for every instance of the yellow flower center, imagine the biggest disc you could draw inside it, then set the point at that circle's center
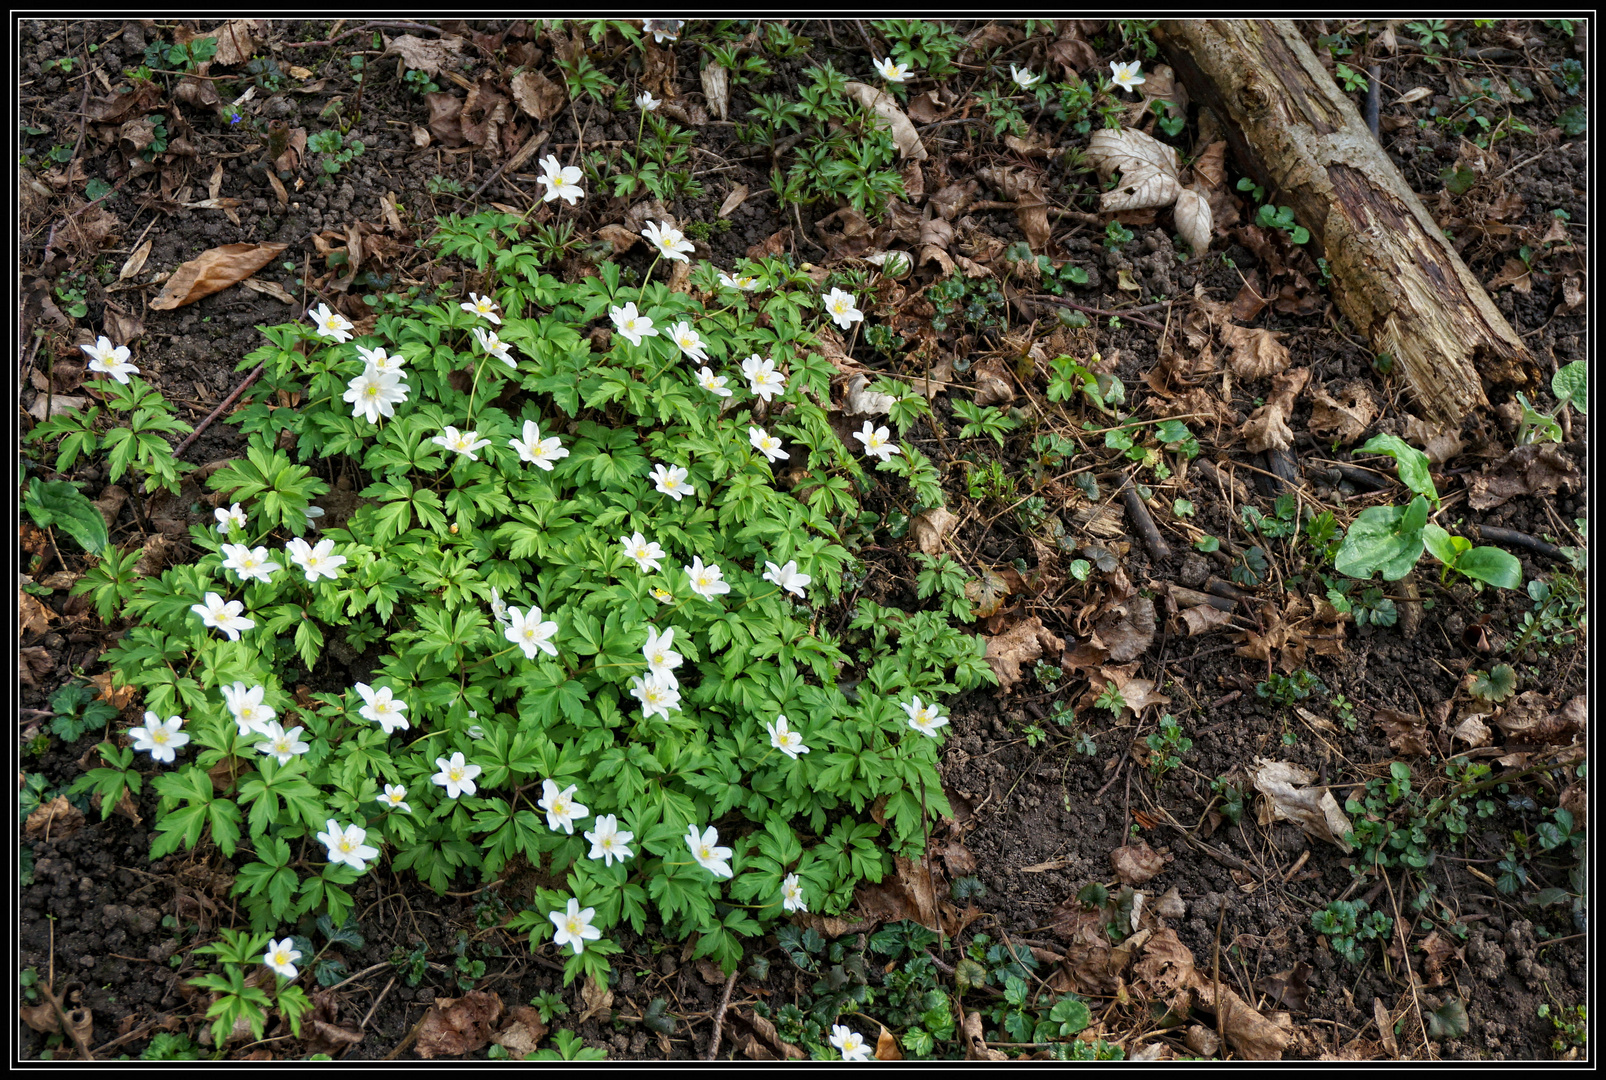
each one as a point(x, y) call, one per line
point(159, 735)
point(346, 845)
point(455, 774)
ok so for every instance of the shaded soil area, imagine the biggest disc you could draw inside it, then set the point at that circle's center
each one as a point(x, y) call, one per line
point(1057, 784)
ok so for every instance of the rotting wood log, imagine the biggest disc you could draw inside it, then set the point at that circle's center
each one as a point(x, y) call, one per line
point(1394, 275)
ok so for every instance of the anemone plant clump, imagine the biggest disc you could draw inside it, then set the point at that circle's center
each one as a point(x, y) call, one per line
point(585, 607)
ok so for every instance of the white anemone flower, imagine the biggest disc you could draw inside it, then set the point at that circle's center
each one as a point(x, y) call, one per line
point(561, 809)
point(315, 561)
point(654, 696)
point(464, 442)
point(495, 346)
point(538, 451)
point(560, 181)
point(671, 480)
point(762, 378)
point(246, 706)
point(706, 581)
point(877, 441)
point(346, 845)
point(662, 659)
point(382, 708)
point(531, 633)
point(609, 842)
point(632, 325)
point(787, 577)
point(792, 894)
point(766, 444)
point(482, 306)
point(893, 73)
point(646, 102)
point(378, 360)
point(280, 743)
point(160, 738)
point(670, 241)
point(744, 282)
point(282, 956)
point(330, 324)
point(456, 775)
point(784, 739)
point(1024, 78)
point(646, 554)
point(248, 563)
point(107, 359)
point(394, 798)
point(375, 393)
point(843, 307)
point(714, 859)
point(714, 384)
point(574, 926)
point(1127, 76)
point(924, 718)
point(232, 518)
point(688, 341)
point(226, 617)
point(851, 1043)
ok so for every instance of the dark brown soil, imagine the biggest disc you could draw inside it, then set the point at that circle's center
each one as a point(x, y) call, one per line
point(1039, 813)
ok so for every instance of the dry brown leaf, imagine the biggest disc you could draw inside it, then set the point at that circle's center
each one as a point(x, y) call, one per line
point(1023, 644)
point(891, 117)
point(993, 385)
point(1136, 863)
point(1440, 442)
point(987, 592)
point(1406, 733)
point(269, 288)
point(453, 1027)
point(621, 238)
point(930, 527)
point(1473, 731)
point(1031, 206)
point(926, 108)
point(213, 271)
point(1536, 469)
point(1267, 427)
point(1204, 618)
point(1528, 718)
point(445, 118)
point(427, 55)
point(32, 616)
point(914, 890)
point(1126, 630)
point(886, 1047)
point(1193, 219)
point(1255, 353)
point(57, 818)
point(1289, 797)
point(1345, 417)
point(538, 95)
point(1147, 166)
point(860, 400)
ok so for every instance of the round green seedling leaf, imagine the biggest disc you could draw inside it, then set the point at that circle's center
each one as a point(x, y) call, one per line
point(1571, 384)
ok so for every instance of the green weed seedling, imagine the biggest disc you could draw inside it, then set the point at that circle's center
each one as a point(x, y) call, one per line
point(335, 150)
point(1347, 928)
point(1390, 539)
point(1167, 747)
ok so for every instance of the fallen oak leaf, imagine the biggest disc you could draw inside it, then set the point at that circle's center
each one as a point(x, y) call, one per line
point(1267, 427)
point(1022, 644)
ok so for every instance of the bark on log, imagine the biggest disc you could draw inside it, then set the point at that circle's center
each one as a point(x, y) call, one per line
point(1394, 275)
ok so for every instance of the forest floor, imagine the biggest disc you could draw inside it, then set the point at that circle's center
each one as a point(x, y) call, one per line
point(1131, 859)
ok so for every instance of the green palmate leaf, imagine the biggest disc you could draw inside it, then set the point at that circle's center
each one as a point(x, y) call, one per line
point(1413, 463)
point(1386, 539)
point(60, 504)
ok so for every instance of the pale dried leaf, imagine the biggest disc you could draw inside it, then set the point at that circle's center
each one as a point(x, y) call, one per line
point(1290, 797)
point(1193, 219)
point(621, 238)
point(976, 1048)
point(737, 196)
point(886, 109)
point(717, 89)
point(1255, 353)
point(1023, 644)
point(993, 385)
point(427, 55)
point(1406, 733)
point(235, 43)
point(32, 616)
point(886, 1047)
point(862, 401)
point(213, 271)
point(1136, 863)
point(1535, 469)
point(930, 527)
point(1147, 166)
point(1440, 442)
point(1205, 618)
point(597, 998)
point(1473, 731)
point(57, 818)
point(1126, 630)
point(270, 288)
point(1345, 417)
point(1410, 97)
point(135, 262)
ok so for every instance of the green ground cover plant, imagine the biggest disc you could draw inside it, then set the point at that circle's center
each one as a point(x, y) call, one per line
point(591, 603)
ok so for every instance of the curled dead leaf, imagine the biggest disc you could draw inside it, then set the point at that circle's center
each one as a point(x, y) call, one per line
point(1193, 219)
point(1136, 863)
point(427, 55)
point(1148, 169)
point(1255, 353)
point(1406, 733)
point(1126, 630)
point(1344, 417)
point(1289, 797)
point(717, 89)
point(537, 95)
point(930, 527)
point(213, 271)
point(737, 196)
point(1203, 618)
point(1535, 469)
point(57, 818)
point(453, 1027)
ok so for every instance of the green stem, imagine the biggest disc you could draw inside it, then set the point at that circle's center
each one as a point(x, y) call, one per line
point(474, 387)
point(645, 281)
